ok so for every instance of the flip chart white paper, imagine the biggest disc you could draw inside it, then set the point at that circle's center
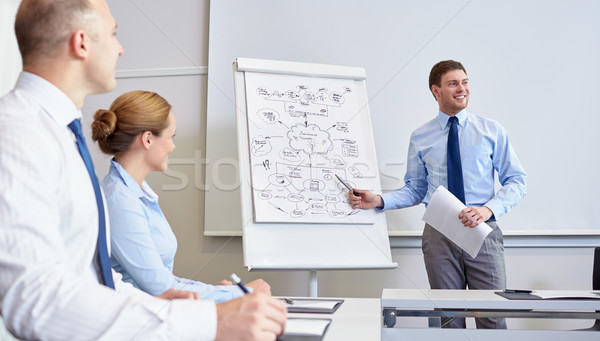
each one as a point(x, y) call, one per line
point(303, 132)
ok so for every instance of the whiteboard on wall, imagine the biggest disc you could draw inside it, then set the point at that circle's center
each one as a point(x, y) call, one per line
point(298, 217)
point(532, 68)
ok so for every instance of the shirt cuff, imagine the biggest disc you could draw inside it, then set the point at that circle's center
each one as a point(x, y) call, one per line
point(385, 197)
point(496, 207)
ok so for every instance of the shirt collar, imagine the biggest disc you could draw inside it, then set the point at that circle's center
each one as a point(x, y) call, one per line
point(55, 102)
point(443, 118)
point(144, 192)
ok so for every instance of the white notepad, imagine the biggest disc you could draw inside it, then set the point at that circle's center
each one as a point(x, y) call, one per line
point(566, 294)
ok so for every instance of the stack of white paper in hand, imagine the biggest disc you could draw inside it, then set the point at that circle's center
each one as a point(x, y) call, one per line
point(442, 214)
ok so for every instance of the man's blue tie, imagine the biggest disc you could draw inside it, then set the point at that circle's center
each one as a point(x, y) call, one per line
point(455, 176)
point(103, 258)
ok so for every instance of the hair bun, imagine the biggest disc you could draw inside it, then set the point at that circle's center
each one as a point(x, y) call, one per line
point(105, 122)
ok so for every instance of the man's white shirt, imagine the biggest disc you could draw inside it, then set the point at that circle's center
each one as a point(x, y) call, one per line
point(48, 232)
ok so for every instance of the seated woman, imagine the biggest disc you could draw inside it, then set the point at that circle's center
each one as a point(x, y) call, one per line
point(138, 130)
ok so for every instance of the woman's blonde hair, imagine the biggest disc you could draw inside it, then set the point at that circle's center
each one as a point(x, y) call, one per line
point(129, 115)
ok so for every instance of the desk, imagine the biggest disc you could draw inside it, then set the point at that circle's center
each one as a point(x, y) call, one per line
point(356, 319)
point(411, 334)
point(483, 303)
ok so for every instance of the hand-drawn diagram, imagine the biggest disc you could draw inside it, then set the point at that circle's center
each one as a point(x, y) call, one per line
point(302, 132)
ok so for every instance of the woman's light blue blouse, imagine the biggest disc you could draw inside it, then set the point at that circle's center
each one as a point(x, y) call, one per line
point(142, 242)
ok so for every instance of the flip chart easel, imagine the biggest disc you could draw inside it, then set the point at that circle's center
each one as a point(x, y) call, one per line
point(281, 239)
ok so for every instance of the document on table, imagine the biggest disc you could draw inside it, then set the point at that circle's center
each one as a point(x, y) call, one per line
point(442, 214)
point(566, 294)
point(551, 295)
point(304, 329)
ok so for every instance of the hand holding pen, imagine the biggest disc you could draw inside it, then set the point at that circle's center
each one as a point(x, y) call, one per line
point(361, 198)
point(347, 185)
point(257, 285)
point(250, 317)
point(364, 199)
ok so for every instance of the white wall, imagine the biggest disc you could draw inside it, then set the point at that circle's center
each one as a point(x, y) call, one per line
point(158, 35)
point(10, 65)
point(10, 59)
point(531, 67)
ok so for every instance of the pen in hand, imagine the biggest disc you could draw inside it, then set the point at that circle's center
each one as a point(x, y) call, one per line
point(347, 185)
point(239, 283)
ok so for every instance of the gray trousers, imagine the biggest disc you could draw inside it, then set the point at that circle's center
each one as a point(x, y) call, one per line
point(450, 267)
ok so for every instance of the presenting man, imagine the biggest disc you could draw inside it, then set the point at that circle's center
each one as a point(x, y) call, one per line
point(54, 279)
point(461, 151)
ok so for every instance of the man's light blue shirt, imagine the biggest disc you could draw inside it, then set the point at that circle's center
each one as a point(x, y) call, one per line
point(484, 148)
point(143, 244)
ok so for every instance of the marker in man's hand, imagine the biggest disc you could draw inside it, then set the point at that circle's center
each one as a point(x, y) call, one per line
point(347, 186)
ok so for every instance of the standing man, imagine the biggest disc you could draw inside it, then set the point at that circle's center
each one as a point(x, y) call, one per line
point(460, 151)
point(54, 283)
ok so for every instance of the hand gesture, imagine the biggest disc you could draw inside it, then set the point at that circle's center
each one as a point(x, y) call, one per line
point(252, 317)
point(365, 200)
point(473, 216)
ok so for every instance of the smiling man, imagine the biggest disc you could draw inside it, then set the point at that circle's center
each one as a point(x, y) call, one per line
point(461, 151)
